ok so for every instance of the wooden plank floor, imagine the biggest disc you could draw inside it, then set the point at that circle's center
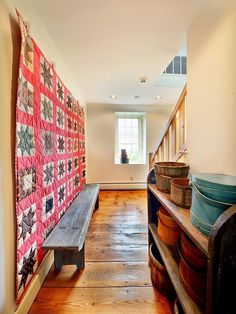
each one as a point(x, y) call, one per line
point(116, 278)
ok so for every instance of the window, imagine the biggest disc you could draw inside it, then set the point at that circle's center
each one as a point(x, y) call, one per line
point(131, 137)
point(177, 66)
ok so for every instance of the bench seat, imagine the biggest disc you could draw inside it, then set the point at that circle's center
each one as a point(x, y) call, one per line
point(68, 237)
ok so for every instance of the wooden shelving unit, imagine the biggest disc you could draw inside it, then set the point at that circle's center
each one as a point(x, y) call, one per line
point(171, 265)
point(219, 248)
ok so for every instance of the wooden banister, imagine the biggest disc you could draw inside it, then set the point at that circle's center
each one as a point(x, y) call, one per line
point(172, 144)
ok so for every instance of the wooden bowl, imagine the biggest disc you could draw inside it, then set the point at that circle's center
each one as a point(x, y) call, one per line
point(159, 276)
point(166, 218)
point(194, 281)
point(181, 192)
point(163, 183)
point(193, 256)
point(167, 234)
point(171, 169)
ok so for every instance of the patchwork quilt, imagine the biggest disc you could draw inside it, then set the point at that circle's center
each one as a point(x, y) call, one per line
point(50, 155)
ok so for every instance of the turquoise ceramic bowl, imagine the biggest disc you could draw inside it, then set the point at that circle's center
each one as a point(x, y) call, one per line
point(205, 211)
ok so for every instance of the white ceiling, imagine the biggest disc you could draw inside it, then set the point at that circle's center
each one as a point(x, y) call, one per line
point(109, 44)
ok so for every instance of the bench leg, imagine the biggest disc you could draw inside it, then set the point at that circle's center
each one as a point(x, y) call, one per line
point(97, 203)
point(58, 260)
point(69, 257)
point(80, 263)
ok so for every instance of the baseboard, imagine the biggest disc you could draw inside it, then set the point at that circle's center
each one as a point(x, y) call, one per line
point(35, 285)
point(123, 186)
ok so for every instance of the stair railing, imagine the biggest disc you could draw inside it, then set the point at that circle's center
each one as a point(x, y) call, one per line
point(172, 145)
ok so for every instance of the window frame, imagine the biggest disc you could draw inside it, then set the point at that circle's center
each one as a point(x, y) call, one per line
point(141, 116)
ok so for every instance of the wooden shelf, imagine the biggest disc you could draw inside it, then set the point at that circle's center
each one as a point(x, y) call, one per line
point(171, 265)
point(182, 217)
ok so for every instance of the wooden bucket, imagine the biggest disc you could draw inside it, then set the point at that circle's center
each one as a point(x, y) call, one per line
point(159, 276)
point(181, 192)
point(171, 169)
point(194, 281)
point(192, 255)
point(163, 183)
point(166, 218)
point(168, 235)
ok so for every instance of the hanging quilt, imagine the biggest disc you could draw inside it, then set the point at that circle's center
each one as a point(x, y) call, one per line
point(50, 155)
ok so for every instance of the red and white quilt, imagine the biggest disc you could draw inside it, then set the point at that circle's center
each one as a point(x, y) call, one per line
point(50, 155)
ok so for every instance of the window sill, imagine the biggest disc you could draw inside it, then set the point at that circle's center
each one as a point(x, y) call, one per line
point(131, 164)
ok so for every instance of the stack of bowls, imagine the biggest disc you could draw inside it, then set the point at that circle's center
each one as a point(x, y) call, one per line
point(212, 194)
point(168, 230)
point(165, 171)
point(193, 270)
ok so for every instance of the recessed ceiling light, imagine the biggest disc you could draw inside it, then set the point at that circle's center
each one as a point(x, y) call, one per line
point(143, 80)
point(136, 97)
point(113, 97)
point(158, 97)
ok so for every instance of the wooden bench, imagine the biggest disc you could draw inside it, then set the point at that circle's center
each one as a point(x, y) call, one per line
point(68, 237)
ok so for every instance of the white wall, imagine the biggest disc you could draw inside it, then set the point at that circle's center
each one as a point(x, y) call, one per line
point(101, 141)
point(9, 58)
point(211, 84)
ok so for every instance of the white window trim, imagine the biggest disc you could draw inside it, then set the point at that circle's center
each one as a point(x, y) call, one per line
point(141, 116)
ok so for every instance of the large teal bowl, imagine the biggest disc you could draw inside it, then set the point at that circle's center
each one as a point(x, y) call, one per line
point(200, 224)
point(217, 195)
point(220, 182)
point(205, 211)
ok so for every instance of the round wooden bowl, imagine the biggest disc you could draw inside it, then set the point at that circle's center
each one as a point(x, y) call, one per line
point(193, 256)
point(181, 192)
point(159, 276)
point(171, 169)
point(163, 183)
point(166, 218)
point(194, 281)
point(167, 234)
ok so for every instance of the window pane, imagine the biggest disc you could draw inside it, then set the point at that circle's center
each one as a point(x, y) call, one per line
point(184, 68)
point(128, 122)
point(134, 122)
point(177, 65)
point(121, 122)
point(169, 69)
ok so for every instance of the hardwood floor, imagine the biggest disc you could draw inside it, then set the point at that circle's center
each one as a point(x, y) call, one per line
point(116, 278)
